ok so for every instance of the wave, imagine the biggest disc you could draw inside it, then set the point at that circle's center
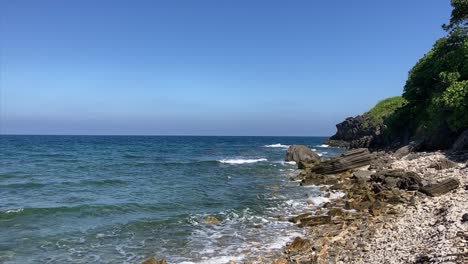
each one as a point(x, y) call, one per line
point(241, 161)
point(323, 146)
point(278, 145)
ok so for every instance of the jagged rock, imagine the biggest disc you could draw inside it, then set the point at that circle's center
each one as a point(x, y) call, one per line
point(298, 244)
point(461, 144)
point(356, 132)
point(401, 179)
point(442, 187)
point(443, 164)
point(318, 179)
point(154, 261)
point(315, 220)
point(298, 218)
point(349, 160)
point(302, 153)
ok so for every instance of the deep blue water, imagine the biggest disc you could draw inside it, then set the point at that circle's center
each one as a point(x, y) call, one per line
point(108, 199)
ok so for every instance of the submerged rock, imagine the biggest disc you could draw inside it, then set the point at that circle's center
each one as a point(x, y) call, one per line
point(154, 261)
point(211, 220)
point(301, 153)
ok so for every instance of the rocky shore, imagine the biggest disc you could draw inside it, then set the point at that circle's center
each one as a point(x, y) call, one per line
point(379, 207)
point(394, 208)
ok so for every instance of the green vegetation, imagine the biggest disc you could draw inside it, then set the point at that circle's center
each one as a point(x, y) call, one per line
point(437, 88)
point(385, 108)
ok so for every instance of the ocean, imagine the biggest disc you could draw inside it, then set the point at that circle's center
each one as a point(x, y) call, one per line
point(123, 199)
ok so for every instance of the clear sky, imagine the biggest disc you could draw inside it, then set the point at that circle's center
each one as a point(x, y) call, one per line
point(239, 67)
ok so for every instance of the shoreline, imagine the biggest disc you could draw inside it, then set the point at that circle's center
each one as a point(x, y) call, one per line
point(394, 225)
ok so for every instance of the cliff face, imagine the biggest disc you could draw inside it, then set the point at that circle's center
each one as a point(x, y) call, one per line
point(357, 132)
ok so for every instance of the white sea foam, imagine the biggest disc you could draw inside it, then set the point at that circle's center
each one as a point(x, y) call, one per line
point(241, 161)
point(314, 149)
point(336, 195)
point(323, 146)
point(14, 210)
point(278, 145)
point(217, 260)
point(319, 200)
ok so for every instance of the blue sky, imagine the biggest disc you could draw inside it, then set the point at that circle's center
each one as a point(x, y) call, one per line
point(205, 67)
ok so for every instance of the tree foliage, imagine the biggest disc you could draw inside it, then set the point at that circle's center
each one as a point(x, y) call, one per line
point(459, 15)
point(437, 86)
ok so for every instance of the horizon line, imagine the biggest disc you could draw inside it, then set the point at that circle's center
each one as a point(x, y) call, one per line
point(155, 135)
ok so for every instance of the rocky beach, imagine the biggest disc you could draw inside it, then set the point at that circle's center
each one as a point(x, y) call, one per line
point(396, 209)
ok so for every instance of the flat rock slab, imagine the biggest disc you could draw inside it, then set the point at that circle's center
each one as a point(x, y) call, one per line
point(350, 160)
point(440, 188)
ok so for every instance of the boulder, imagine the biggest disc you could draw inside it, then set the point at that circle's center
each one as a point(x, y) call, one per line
point(442, 187)
point(461, 143)
point(350, 160)
point(300, 153)
point(407, 149)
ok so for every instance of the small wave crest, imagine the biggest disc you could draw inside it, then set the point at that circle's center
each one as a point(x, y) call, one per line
point(241, 161)
point(323, 146)
point(278, 145)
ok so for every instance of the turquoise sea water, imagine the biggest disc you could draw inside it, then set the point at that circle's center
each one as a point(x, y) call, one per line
point(122, 199)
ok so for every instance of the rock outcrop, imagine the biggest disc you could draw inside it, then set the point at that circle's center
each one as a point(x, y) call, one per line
point(356, 132)
point(302, 154)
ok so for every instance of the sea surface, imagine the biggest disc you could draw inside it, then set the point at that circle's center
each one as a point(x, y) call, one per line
point(122, 199)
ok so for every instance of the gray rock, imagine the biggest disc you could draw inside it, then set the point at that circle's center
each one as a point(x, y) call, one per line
point(302, 153)
point(465, 218)
point(443, 164)
point(362, 176)
point(401, 179)
point(350, 160)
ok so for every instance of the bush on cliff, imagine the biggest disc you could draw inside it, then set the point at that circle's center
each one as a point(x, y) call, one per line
point(384, 109)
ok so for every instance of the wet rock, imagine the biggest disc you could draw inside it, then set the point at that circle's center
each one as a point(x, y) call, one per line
point(299, 153)
point(211, 220)
point(298, 218)
point(442, 187)
point(298, 244)
point(350, 160)
point(154, 261)
point(318, 179)
point(315, 220)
